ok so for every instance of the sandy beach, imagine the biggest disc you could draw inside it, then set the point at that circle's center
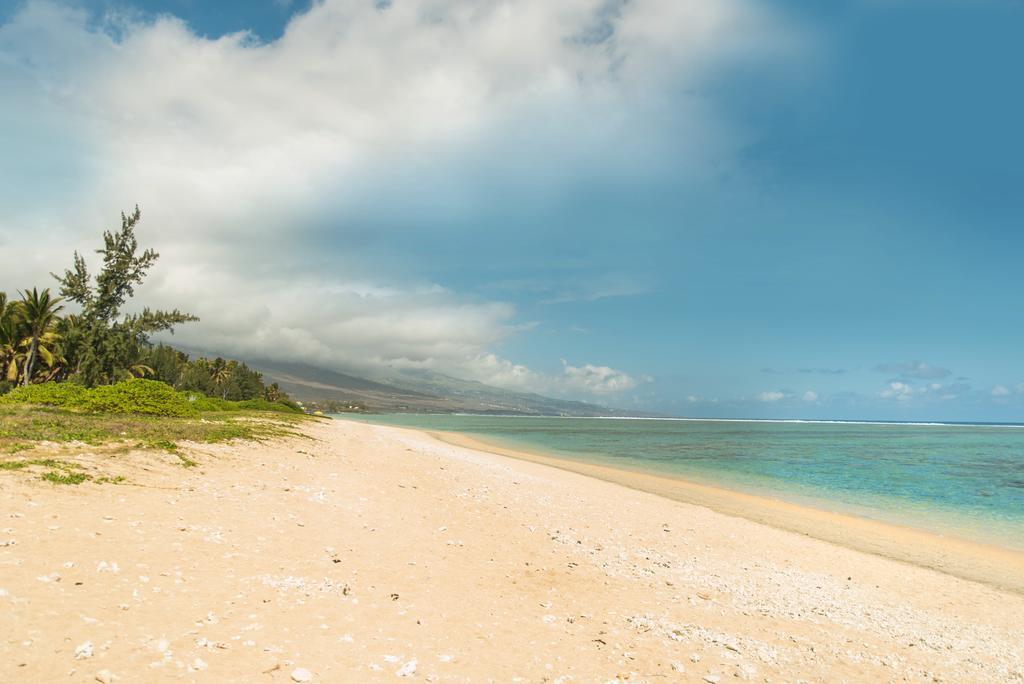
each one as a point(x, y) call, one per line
point(370, 553)
point(1000, 567)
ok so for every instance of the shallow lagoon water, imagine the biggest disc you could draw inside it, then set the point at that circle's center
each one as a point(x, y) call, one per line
point(966, 480)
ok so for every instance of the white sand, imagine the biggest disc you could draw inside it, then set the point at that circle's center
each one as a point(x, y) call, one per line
point(370, 553)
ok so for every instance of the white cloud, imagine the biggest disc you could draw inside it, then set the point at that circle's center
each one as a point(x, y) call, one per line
point(810, 396)
point(1000, 391)
point(899, 391)
point(599, 380)
point(339, 325)
point(250, 159)
point(771, 396)
point(903, 392)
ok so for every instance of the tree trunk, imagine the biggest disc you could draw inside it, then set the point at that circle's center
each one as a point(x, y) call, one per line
point(31, 359)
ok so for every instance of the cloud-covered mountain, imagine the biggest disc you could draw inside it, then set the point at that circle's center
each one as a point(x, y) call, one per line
point(420, 391)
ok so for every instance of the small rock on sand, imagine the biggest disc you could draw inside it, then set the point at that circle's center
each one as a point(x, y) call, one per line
point(301, 674)
point(407, 670)
point(105, 677)
point(84, 650)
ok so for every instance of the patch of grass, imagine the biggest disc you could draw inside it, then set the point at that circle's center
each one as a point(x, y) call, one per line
point(45, 462)
point(20, 424)
point(65, 478)
point(63, 472)
point(14, 465)
point(53, 463)
point(22, 427)
point(187, 462)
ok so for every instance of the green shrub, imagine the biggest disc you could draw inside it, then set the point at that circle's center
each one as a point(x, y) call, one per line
point(264, 405)
point(201, 402)
point(290, 405)
point(146, 397)
point(136, 396)
point(65, 394)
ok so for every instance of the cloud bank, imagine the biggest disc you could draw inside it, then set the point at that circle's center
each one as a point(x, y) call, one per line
point(288, 184)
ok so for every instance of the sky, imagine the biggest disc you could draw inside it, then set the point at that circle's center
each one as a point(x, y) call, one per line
point(740, 208)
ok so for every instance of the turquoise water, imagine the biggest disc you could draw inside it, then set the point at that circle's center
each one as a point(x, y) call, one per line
point(966, 480)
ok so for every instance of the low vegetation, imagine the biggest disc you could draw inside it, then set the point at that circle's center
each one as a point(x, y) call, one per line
point(32, 434)
point(21, 423)
point(93, 376)
point(60, 472)
point(81, 340)
point(135, 397)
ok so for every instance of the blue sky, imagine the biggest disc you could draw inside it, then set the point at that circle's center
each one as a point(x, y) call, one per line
point(737, 209)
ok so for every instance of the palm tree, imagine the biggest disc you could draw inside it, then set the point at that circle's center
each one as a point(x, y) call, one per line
point(9, 337)
point(47, 351)
point(220, 374)
point(140, 370)
point(272, 392)
point(39, 314)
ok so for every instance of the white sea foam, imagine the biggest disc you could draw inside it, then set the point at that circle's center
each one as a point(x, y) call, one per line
point(808, 421)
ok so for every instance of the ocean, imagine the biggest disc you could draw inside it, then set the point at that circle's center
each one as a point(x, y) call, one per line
point(965, 480)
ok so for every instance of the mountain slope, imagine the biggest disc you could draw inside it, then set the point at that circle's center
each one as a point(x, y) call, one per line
point(419, 391)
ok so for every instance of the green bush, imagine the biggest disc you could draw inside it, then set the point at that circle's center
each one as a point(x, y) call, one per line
point(136, 396)
point(65, 394)
point(201, 402)
point(264, 405)
point(147, 397)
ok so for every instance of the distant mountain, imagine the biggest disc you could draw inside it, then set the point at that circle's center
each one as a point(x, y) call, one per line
point(417, 391)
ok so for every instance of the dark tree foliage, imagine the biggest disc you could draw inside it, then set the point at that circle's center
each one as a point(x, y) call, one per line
point(218, 377)
point(103, 346)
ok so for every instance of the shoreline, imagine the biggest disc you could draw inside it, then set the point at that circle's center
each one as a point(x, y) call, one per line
point(990, 564)
point(683, 419)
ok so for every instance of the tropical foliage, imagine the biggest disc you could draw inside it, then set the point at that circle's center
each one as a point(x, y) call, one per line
point(223, 378)
point(136, 396)
point(105, 346)
point(99, 345)
point(29, 342)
